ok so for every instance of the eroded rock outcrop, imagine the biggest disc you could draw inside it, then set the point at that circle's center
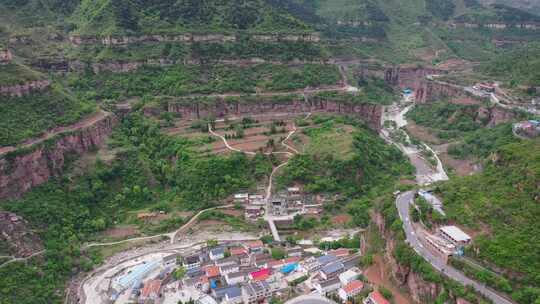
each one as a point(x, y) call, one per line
point(369, 113)
point(531, 26)
point(5, 57)
point(419, 289)
point(15, 231)
point(191, 38)
point(24, 88)
point(23, 168)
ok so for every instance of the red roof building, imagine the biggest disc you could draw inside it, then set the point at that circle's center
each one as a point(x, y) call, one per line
point(151, 289)
point(254, 244)
point(238, 251)
point(376, 298)
point(212, 271)
point(350, 290)
point(341, 252)
point(260, 275)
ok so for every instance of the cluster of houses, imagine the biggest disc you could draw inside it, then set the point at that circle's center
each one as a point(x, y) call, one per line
point(447, 242)
point(530, 128)
point(291, 201)
point(246, 272)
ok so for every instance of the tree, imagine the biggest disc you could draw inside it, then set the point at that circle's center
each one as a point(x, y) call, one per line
point(278, 253)
point(211, 243)
point(179, 273)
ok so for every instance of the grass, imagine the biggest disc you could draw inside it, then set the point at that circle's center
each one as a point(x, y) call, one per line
point(330, 140)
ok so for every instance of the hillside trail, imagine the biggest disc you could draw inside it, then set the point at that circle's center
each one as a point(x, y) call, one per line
point(86, 122)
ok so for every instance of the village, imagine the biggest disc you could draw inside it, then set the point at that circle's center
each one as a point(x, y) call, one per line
point(245, 272)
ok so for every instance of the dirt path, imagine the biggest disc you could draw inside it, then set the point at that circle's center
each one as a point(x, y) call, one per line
point(13, 260)
point(59, 130)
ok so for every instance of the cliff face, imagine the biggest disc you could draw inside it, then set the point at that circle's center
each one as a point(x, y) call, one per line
point(25, 88)
point(370, 113)
point(190, 38)
point(420, 290)
point(128, 66)
point(531, 26)
point(21, 170)
point(5, 57)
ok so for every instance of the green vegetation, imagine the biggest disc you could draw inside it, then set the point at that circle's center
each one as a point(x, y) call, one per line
point(123, 17)
point(278, 253)
point(372, 164)
point(483, 142)
point(517, 67)
point(66, 212)
point(25, 117)
point(14, 74)
point(451, 120)
point(182, 80)
point(501, 203)
point(407, 257)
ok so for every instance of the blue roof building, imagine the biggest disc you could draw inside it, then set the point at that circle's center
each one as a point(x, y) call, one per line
point(228, 293)
point(288, 268)
point(325, 259)
point(134, 276)
point(331, 269)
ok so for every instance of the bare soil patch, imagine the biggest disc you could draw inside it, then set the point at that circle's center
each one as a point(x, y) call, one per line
point(422, 133)
point(341, 219)
point(122, 231)
point(378, 274)
point(461, 167)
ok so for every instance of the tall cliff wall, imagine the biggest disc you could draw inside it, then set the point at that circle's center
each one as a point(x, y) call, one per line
point(25, 88)
point(22, 169)
point(5, 57)
point(192, 38)
point(369, 113)
point(420, 290)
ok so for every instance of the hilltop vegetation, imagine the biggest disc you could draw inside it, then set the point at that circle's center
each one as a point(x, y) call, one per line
point(501, 205)
point(25, 117)
point(125, 17)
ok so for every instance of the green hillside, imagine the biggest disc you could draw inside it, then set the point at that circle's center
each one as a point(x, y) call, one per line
point(127, 17)
point(502, 205)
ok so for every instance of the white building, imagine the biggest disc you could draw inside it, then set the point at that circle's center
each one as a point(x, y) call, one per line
point(328, 286)
point(350, 275)
point(455, 235)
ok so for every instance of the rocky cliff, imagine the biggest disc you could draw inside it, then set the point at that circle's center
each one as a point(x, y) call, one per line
point(531, 26)
point(191, 38)
point(420, 290)
point(24, 168)
point(5, 57)
point(25, 88)
point(370, 113)
point(128, 66)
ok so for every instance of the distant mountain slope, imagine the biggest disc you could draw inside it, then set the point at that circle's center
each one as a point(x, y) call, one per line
point(106, 17)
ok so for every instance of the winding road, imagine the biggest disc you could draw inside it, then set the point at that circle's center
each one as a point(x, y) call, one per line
point(403, 203)
point(427, 175)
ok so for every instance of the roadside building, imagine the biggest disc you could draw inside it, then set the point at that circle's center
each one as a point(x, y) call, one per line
point(279, 207)
point(170, 260)
point(455, 235)
point(350, 275)
point(252, 212)
point(439, 246)
point(350, 290)
point(327, 286)
point(232, 260)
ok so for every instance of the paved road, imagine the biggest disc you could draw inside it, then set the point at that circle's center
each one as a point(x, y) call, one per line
point(310, 299)
point(403, 202)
